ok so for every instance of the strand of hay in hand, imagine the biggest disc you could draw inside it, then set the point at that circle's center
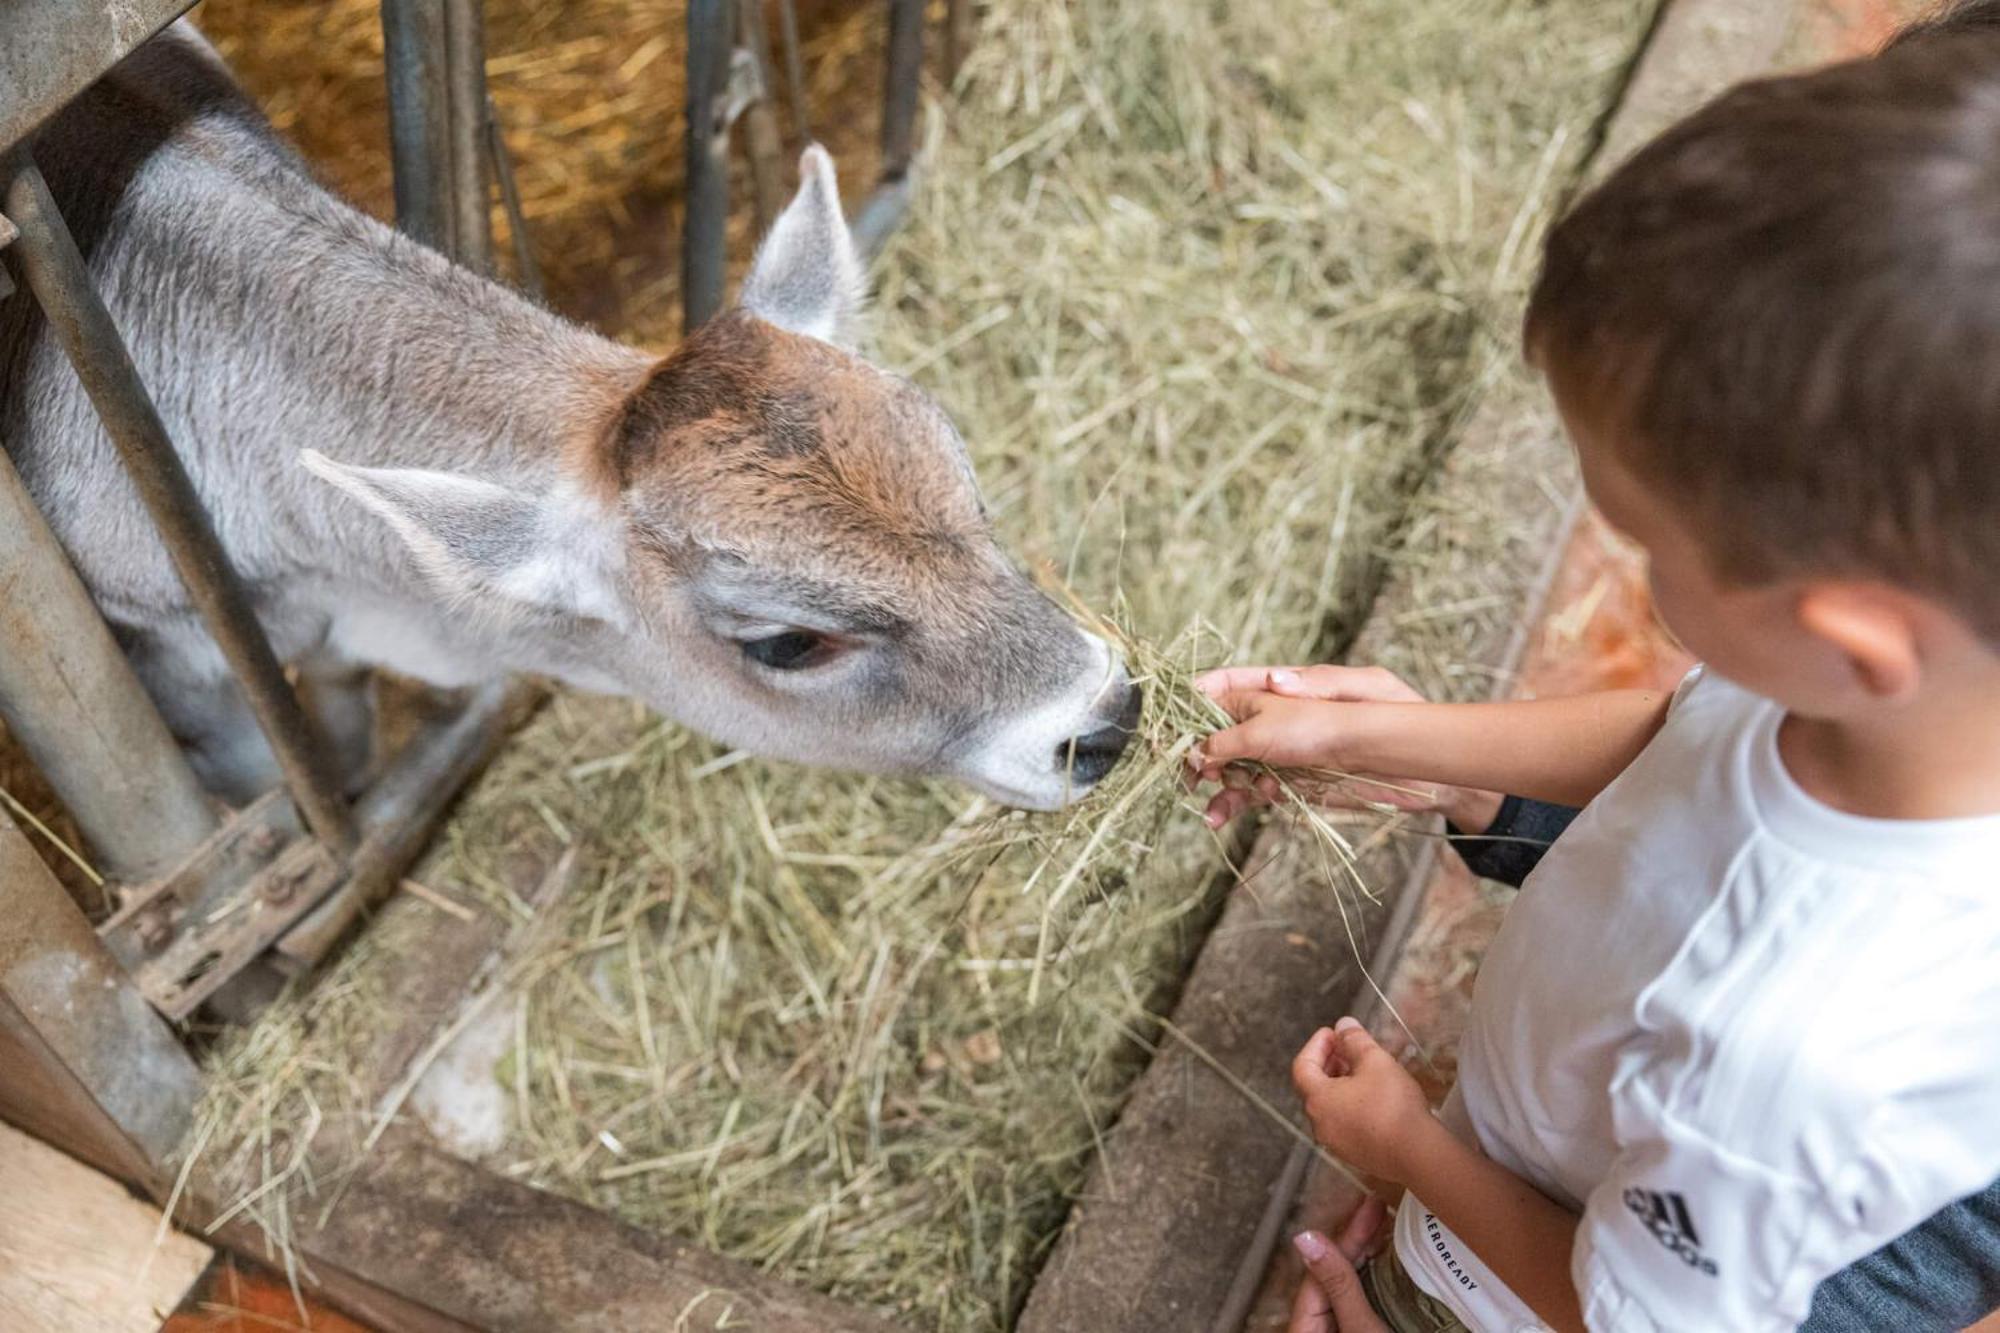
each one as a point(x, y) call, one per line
point(1150, 782)
point(1176, 717)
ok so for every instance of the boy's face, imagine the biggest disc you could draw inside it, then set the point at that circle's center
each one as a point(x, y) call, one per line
point(1750, 633)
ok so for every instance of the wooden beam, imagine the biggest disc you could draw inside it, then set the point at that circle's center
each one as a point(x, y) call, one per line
point(88, 1065)
point(425, 1242)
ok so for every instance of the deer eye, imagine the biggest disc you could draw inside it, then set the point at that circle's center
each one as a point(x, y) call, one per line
point(793, 650)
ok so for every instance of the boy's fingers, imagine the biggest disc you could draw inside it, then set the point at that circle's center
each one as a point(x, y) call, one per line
point(1242, 741)
point(1225, 806)
point(1335, 1276)
point(1311, 1311)
point(1345, 684)
point(1353, 1043)
point(1358, 1239)
point(1241, 679)
point(1317, 1064)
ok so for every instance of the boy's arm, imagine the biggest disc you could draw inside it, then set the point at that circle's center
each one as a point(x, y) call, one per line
point(1366, 1108)
point(1563, 751)
point(1516, 1230)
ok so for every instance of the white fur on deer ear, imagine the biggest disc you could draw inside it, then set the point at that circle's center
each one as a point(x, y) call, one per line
point(476, 539)
point(807, 276)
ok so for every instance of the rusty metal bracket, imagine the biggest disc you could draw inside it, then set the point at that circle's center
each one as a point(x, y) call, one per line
point(184, 936)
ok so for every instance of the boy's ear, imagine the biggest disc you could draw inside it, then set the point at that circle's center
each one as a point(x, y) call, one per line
point(1873, 628)
point(478, 540)
point(807, 277)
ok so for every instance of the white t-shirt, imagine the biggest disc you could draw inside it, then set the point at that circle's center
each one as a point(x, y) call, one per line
point(1748, 1037)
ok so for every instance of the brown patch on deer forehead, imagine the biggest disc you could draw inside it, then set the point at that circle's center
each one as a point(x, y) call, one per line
point(735, 379)
point(748, 426)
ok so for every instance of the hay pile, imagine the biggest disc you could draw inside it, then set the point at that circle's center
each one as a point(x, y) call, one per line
point(1209, 288)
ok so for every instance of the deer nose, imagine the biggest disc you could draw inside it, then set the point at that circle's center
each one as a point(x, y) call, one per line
point(1087, 758)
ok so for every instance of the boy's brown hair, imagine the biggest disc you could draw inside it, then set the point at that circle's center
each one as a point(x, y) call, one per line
point(1787, 310)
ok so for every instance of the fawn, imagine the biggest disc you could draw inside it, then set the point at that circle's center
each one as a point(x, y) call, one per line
point(761, 535)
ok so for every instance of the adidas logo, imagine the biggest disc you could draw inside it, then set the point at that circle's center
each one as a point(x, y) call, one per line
point(1666, 1216)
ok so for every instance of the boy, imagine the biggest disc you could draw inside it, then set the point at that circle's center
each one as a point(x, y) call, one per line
point(1738, 1030)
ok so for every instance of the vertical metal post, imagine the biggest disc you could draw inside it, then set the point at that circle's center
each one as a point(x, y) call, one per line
point(527, 271)
point(711, 30)
point(465, 75)
point(61, 283)
point(87, 1062)
point(795, 69)
point(760, 118)
point(413, 48)
point(957, 38)
point(70, 698)
point(899, 95)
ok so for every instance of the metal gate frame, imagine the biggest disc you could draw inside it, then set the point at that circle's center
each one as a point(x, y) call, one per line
point(219, 906)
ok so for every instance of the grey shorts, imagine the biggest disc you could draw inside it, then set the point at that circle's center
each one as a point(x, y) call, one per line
point(1404, 1306)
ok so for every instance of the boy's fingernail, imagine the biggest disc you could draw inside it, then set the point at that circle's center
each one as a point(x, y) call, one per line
point(1284, 678)
point(1346, 1023)
point(1312, 1246)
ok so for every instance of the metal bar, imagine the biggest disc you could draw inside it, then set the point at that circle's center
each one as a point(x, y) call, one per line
point(526, 271)
point(465, 74)
point(91, 1043)
point(413, 50)
point(880, 214)
point(795, 69)
point(61, 283)
point(957, 38)
point(54, 49)
point(70, 698)
point(762, 140)
point(1241, 1297)
point(899, 93)
point(398, 812)
point(710, 33)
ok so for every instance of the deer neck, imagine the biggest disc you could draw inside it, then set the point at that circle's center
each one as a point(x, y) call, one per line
point(414, 363)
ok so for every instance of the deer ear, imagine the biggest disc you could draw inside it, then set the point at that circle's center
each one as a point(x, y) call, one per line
point(476, 540)
point(807, 276)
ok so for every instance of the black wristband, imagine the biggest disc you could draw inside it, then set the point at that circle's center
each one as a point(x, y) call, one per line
point(1513, 844)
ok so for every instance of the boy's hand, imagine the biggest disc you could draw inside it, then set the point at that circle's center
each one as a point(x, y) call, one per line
point(1275, 729)
point(1365, 1108)
point(1329, 1297)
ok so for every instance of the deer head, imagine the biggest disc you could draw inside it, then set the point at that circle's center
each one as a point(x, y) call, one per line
point(782, 546)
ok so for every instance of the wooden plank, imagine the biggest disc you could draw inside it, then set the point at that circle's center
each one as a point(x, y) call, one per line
point(452, 1245)
point(89, 1063)
point(78, 1252)
point(1163, 1234)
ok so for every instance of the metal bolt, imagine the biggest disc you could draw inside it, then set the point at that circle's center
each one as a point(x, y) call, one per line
point(262, 840)
point(277, 887)
point(283, 881)
point(154, 929)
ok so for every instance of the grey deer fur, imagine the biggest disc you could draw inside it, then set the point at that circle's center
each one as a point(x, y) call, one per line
point(762, 536)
